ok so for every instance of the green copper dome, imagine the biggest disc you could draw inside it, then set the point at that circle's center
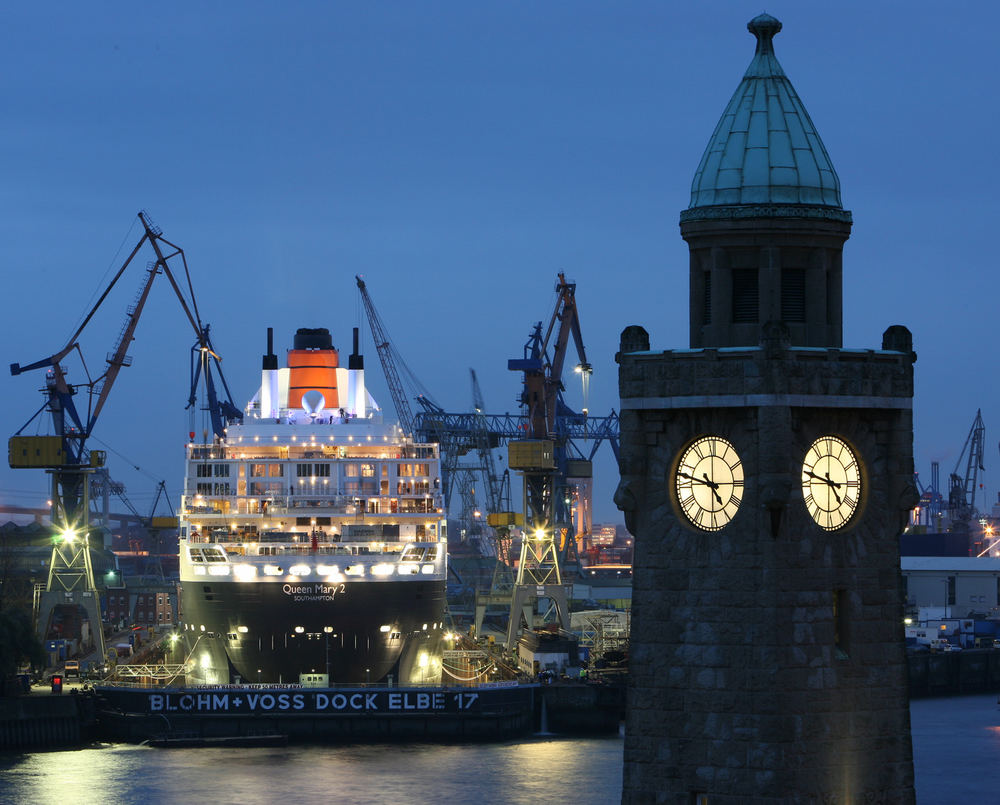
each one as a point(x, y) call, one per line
point(765, 153)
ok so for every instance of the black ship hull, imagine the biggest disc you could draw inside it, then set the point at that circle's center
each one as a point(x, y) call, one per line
point(274, 631)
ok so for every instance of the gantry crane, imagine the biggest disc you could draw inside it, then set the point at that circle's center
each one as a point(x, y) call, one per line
point(389, 358)
point(543, 458)
point(66, 456)
point(962, 488)
point(929, 512)
point(573, 437)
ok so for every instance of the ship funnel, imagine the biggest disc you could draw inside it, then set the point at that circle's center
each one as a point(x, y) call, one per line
point(269, 380)
point(356, 360)
point(270, 360)
point(356, 393)
point(313, 365)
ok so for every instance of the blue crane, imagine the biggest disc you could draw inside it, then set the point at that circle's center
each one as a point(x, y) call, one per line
point(66, 455)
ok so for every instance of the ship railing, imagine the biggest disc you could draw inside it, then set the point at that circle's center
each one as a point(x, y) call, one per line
point(139, 684)
point(337, 503)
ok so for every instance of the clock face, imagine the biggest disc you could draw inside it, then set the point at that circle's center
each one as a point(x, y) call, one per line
point(831, 482)
point(709, 483)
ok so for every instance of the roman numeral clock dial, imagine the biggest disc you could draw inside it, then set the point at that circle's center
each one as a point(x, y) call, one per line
point(709, 483)
point(831, 482)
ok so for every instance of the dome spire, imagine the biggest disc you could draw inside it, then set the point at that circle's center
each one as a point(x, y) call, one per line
point(765, 63)
point(764, 27)
point(765, 152)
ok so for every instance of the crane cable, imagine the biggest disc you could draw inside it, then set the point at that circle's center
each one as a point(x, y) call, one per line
point(104, 276)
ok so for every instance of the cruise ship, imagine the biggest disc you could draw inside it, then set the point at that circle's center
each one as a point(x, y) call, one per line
point(313, 545)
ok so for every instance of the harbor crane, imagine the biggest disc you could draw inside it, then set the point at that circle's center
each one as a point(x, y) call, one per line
point(388, 357)
point(547, 430)
point(66, 455)
point(931, 500)
point(962, 488)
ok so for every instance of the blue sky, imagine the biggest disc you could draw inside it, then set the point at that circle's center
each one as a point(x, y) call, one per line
point(459, 155)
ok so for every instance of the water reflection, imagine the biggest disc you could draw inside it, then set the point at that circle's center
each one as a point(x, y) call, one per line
point(512, 773)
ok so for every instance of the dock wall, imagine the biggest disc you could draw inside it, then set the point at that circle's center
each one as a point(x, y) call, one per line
point(44, 722)
point(942, 674)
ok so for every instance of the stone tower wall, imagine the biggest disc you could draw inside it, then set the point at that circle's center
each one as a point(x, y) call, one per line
point(740, 685)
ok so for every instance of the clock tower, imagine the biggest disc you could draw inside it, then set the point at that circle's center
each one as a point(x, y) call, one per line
point(766, 475)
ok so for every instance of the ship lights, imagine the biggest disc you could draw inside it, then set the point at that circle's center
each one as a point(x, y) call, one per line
point(242, 629)
point(300, 570)
point(385, 627)
point(427, 569)
point(382, 569)
point(199, 571)
point(244, 572)
point(408, 567)
point(328, 570)
point(272, 570)
point(355, 570)
point(299, 629)
point(218, 570)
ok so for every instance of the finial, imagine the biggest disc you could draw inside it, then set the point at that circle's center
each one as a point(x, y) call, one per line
point(764, 27)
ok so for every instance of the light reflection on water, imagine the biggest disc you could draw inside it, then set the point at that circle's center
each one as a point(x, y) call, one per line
point(950, 736)
point(513, 773)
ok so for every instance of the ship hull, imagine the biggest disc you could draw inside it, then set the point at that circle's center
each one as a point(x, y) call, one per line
point(275, 631)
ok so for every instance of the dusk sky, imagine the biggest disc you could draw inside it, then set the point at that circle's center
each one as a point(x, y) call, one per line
point(459, 155)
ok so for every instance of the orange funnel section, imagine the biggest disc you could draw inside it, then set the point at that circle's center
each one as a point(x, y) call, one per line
point(313, 367)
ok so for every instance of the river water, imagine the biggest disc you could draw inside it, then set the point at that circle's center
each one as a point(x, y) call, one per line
point(956, 747)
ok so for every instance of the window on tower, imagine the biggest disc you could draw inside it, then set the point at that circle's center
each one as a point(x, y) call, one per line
point(793, 295)
point(745, 296)
point(840, 624)
point(706, 312)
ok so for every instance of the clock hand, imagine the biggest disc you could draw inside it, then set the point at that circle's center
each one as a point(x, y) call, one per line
point(825, 480)
point(707, 482)
point(833, 489)
point(713, 486)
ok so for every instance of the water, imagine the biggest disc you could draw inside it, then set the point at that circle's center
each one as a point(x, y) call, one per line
point(521, 773)
point(956, 747)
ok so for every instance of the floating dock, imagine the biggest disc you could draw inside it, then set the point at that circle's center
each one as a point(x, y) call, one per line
point(351, 714)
